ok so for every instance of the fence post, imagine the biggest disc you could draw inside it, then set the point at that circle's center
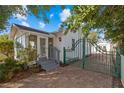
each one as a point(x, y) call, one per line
point(116, 63)
point(64, 55)
point(120, 64)
point(83, 61)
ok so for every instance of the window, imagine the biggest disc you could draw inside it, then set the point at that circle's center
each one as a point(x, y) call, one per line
point(20, 41)
point(43, 46)
point(60, 39)
point(33, 41)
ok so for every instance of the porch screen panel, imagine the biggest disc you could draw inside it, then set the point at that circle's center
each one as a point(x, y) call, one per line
point(19, 44)
point(33, 41)
point(43, 46)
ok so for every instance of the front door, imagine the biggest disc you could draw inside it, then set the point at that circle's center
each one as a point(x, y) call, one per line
point(42, 46)
point(50, 50)
point(50, 41)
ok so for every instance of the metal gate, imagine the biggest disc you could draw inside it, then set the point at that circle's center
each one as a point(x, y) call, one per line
point(88, 55)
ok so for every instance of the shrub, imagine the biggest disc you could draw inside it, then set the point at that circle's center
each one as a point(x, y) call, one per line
point(2, 72)
point(9, 69)
point(27, 54)
point(2, 57)
point(7, 48)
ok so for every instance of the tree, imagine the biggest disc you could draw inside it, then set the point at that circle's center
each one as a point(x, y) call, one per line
point(3, 37)
point(6, 12)
point(93, 36)
point(107, 19)
point(40, 11)
point(6, 46)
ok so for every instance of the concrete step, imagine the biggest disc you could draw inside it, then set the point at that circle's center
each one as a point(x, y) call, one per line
point(48, 65)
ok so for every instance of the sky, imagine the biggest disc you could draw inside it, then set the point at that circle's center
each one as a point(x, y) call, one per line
point(56, 16)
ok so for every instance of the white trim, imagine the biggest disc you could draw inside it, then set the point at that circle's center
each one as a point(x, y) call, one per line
point(35, 33)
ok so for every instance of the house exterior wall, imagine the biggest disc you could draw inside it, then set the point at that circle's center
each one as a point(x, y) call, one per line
point(23, 36)
point(106, 44)
point(66, 41)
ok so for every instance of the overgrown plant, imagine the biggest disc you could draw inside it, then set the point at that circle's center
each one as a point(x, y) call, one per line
point(6, 46)
point(9, 69)
point(105, 19)
point(27, 54)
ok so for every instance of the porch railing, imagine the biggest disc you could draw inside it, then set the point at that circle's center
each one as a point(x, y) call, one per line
point(53, 53)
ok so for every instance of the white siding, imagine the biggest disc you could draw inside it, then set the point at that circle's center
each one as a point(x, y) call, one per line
point(66, 41)
point(106, 44)
point(23, 35)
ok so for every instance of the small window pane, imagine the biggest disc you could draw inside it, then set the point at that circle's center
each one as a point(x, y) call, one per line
point(60, 39)
point(33, 41)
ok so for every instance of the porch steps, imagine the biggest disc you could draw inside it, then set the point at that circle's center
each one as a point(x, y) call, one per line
point(48, 64)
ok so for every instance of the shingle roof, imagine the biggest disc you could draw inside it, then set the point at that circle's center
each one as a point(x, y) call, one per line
point(31, 29)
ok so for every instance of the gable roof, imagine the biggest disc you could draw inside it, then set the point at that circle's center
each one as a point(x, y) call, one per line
point(30, 29)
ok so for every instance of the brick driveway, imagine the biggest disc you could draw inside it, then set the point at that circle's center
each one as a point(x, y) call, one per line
point(64, 77)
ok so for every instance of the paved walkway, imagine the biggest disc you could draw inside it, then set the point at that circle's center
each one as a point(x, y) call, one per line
point(64, 77)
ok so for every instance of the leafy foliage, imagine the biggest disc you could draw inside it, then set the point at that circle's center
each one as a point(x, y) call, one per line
point(9, 69)
point(108, 19)
point(6, 46)
point(3, 37)
point(6, 12)
point(40, 11)
point(93, 36)
point(2, 57)
point(27, 54)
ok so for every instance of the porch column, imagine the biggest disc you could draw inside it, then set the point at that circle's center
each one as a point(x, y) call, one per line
point(27, 40)
point(15, 49)
point(47, 46)
point(38, 45)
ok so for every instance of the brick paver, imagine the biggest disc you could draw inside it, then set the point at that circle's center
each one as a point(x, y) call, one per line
point(63, 77)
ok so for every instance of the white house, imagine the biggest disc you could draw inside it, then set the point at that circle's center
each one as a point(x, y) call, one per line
point(104, 44)
point(41, 40)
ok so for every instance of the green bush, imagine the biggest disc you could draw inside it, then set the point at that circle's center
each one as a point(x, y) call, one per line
point(2, 57)
point(9, 69)
point(27, 54)
point(7, 48)
point(2, 72)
